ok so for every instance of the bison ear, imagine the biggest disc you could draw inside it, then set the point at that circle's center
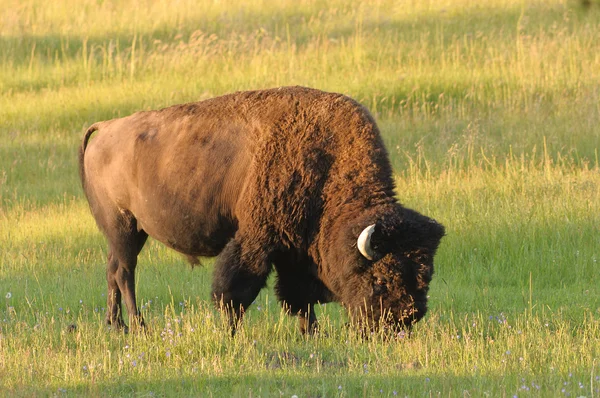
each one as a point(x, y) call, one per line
point(434, 234)
point(419, 231)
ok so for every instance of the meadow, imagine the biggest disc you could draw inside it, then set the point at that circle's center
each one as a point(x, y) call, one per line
point(490, 112)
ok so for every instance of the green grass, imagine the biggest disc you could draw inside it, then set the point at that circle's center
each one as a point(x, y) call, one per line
point(490, 112)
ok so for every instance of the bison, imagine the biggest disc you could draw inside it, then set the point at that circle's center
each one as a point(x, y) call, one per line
point(291, 178)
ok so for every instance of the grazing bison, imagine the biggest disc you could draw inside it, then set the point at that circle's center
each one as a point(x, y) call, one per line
point(292, 178)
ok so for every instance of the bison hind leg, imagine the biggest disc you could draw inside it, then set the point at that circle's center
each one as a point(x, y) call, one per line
point(114, 315)
point(125, 243)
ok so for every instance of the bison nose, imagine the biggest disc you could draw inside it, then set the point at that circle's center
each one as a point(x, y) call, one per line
point(419, 311)
point(419, 301)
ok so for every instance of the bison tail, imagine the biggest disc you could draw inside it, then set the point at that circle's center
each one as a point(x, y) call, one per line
point(84, 145)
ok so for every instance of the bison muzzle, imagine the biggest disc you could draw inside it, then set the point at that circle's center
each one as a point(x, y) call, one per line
point(291, 178)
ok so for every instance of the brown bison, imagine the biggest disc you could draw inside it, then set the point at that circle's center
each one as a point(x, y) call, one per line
point(291, 178)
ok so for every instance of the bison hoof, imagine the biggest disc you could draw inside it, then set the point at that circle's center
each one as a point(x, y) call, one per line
point(120, 329)
point(117, 325)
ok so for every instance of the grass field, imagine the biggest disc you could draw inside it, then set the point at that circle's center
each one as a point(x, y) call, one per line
point(491, 114)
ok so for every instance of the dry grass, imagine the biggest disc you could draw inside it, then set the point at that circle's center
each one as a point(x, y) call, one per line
point(490, 112)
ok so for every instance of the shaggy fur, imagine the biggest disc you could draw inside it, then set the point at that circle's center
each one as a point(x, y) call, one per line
point(285, 178)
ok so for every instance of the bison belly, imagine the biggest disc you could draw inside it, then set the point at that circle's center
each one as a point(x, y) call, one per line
point(192, 224)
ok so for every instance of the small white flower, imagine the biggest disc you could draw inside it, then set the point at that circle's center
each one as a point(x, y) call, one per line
point(8, 295)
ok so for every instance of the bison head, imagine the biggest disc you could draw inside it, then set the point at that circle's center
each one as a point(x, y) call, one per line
point(390, 267)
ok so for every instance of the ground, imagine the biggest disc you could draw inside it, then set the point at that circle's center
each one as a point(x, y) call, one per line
point(489, 112)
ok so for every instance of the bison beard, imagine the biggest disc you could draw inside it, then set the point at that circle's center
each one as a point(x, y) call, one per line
point(286, 178)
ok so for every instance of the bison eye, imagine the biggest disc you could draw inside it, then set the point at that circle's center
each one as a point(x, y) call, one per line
point(380, 286)
point(418, 257)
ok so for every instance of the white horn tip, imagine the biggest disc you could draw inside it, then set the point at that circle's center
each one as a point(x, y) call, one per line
point(364, 242)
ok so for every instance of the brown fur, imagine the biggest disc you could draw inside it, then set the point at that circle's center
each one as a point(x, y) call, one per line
point(286, 176)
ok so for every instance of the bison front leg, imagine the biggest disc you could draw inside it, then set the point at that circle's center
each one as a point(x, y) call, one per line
point(293, 291)
point(239, 275)
point(308, 320)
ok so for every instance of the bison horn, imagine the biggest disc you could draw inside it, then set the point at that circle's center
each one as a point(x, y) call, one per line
point(364, 242)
